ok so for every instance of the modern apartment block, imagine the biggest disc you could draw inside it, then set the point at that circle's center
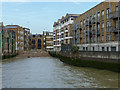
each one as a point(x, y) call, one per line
point(48, 41)
point(1, 25)
point(26, 39)
point(36, 41)
point(98, 29)
point(19, 37)
point(62, 31)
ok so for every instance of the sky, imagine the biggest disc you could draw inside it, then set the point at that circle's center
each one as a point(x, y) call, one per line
point(40, 16)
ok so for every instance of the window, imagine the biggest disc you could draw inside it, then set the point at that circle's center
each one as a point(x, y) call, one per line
point(108, 26)
point(108, 37)
point(102, 27)
point(113, 48)
point(98, 39)
point(81, 23)
point(116, 11)
point(108, 13)
point(102, 39)
point(98, 15)
point(102, 14)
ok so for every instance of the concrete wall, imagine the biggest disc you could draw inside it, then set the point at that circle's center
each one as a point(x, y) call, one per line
point(101, 56)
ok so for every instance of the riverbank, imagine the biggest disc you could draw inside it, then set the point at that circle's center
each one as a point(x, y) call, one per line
point(8, 56)
point(34, 53)
point(111, 66)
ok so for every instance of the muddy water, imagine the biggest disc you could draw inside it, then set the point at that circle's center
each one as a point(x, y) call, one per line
point(48, 72)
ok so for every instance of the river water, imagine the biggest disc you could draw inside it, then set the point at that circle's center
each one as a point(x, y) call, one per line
point(48, 72)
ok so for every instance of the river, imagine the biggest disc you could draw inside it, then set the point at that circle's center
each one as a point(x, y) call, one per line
point(48, 72)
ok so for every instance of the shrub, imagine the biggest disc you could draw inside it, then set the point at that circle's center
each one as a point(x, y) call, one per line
point(74, 49)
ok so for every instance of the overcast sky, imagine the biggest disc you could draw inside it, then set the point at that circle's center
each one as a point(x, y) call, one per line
point(39, 16)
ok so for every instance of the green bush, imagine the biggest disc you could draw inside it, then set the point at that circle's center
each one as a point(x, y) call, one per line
point(74, 49)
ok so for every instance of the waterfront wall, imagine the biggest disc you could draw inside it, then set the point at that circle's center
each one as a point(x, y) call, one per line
point(111, 66)
point(100, 56)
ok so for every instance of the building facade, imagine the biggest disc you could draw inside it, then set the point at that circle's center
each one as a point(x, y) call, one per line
point(26, 39)
point(19, 37)
point(36, 41)
point(1, 26)
point(62, 31)
point(48, 41)
point(98, 29)
point(9, 42)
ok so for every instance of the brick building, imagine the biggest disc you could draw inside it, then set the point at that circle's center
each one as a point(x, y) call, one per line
point(98, 29)
point(36, 41)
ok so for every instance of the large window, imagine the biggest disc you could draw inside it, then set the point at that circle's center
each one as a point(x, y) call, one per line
point(108, 13)
point(108, 26)
point(116, 11)
point(108, 38)
point(102, 39)
point(102, 27)
point(102, 14)
point(98, 15)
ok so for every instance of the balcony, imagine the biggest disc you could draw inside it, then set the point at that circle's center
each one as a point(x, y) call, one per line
point(115, 30)
point(98, 20)
point(88, 23)
point(114, 15)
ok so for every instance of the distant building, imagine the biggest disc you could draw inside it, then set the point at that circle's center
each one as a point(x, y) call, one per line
point(7, 41)
point(62, 31)
point(48, 40)
point(1, 26)
point(36, 41)
point(26, 39)
point(19, 37)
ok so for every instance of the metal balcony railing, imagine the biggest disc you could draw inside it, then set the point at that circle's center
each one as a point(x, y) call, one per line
point(114, 15)
point(115, 29)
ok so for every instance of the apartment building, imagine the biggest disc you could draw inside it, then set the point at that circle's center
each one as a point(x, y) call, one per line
point(48, 40)
point(62, 31)
point(1, 25)
point(36, 41)
point(98, 29)
point(9, 42)
point(26, 39)
point(19, 37)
